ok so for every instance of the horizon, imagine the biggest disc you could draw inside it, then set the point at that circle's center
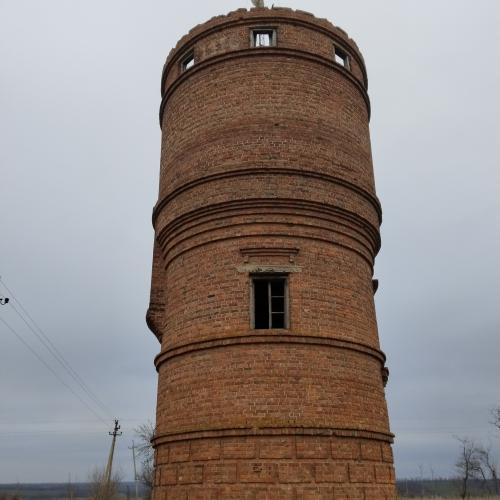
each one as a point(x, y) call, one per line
point(80, 164)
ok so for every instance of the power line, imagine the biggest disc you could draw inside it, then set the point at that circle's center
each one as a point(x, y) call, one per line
point(52, 349)
point(52, 370)
point(60, 359)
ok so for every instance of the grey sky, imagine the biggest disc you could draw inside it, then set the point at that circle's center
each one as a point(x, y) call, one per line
point(79, 161)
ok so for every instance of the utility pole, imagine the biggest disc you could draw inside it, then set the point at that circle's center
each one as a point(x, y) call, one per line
point(107, 474)
point(135, 471)
point(70, 488)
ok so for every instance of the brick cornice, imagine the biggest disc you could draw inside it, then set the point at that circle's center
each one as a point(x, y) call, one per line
point(166, 249)
point(259, 53)
point(272, 16)
point(272, 431)
point(285, 206)
point(272, 338)
point(371, 198)
point(367, 260)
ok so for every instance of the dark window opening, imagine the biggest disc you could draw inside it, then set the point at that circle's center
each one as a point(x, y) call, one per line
point(270, 305)
point(341, 58)
point(188, 62)
point(263, 38)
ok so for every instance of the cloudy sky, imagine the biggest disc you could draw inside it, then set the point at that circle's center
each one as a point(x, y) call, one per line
point(79, 160)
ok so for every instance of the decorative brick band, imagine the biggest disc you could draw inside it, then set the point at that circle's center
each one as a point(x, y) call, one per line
point(368, 236)
point(368, 257)
point(169, 232)
point(289, 252)
point(271, 431)
point(271, 338)
point(269, 52)
point(301, 208)
point(371, 198)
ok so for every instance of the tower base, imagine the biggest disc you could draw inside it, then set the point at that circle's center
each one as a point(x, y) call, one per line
point(272, 467)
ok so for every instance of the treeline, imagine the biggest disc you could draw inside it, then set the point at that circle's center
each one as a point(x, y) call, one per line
point(60, 491)
point(446, 488)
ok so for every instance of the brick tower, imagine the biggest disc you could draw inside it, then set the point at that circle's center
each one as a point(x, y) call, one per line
point(271, 380)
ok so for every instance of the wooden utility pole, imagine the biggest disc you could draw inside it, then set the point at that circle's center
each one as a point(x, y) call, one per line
point(107, 474)
point(70, 488)
point(135, 471)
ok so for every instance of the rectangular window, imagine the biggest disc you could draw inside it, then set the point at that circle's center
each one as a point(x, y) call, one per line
point(187, 62)
point(341, 57)
point(270, 303)
point(263, 37)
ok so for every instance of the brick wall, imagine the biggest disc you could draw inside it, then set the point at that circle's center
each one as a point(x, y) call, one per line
point(265, 167)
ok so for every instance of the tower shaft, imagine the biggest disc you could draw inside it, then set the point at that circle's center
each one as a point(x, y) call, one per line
point(271, 378)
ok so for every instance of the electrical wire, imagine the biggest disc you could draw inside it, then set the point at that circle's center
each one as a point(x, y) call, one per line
point(61, 360)
point(53, 371)
point(56, 354)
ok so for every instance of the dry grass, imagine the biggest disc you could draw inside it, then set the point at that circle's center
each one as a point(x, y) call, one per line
point(495, 497)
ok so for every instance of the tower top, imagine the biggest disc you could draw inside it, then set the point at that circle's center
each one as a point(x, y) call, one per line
point(266, 14)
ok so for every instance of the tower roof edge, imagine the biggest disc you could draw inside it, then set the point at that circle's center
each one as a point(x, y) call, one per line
point(282, 14)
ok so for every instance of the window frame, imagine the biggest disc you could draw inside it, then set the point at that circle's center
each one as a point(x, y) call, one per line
point(339, 52)
point(187, 61)
point(269, 277)
point(254, 32)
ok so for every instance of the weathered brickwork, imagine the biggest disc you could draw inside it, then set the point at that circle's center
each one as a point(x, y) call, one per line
point(272, 467)
point(266, 170)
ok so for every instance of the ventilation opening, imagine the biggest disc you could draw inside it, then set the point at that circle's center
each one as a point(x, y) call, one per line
point(341, 58)
point(188, 62)
point(263, 38)
point(270, 307)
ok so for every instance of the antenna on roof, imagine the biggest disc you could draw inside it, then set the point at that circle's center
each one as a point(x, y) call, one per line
point(258, 3)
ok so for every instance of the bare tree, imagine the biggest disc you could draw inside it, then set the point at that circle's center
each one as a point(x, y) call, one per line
point(495, 413)
point(100, 489)
point(468, 464)
point(145, 433)
point(489, 469)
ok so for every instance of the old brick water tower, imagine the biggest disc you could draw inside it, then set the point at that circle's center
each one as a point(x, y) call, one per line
point(271, 379)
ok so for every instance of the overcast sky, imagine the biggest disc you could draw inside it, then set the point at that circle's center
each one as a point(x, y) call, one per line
point(79, 162)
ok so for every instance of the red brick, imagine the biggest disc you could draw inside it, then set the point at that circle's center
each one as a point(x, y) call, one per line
point(331, 472)
point(313, 447)
point(162, 455)
point(370, 450)
point(179, 452)
point(239, 448)
point(273, 493)
point(349, 493)
point(176, 493)
point(205, 449)
point(387, 455)
point(384, 473)
point(314, 493)
point(257, 472)
point(204, 493)
point(169, 475)
point(190, 474)
point(361, 473)
point(345, 448)
point(220, 473)
point(276, 447)
point(296, 473)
